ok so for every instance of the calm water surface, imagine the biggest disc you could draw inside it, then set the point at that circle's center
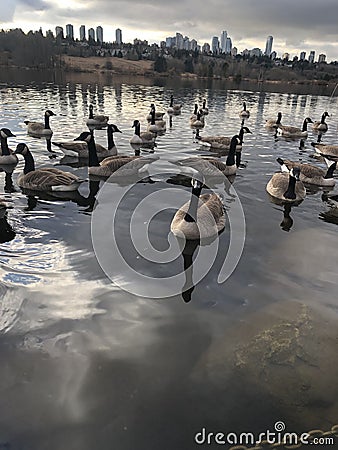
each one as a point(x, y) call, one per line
point(86, 364)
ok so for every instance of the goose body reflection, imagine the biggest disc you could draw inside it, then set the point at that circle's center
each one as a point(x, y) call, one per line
point(7, 232)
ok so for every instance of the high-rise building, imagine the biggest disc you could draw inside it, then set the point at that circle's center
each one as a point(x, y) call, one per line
point(91, 34)
point(302, 56)
point(273, 55)
point(193, 45)
point(228, 45)
point(268, 46)
point(224, 36)
point(215, 45)
point(59, 31)
point(99, 34)
point(312, 56)
point(206, 48)
point(179, 41)
point(234, 51)
point(82, 33)
point(69, 31)
point(118, 36)
point(286, 56)
point(321, 58)
point(170, 42)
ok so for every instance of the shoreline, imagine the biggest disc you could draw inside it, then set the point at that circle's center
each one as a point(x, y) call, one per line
point(107, 70)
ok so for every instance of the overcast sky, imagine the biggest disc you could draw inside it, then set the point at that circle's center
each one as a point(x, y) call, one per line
point(296, 25)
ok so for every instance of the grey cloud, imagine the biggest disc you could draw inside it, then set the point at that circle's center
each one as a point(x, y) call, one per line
point(38, 5)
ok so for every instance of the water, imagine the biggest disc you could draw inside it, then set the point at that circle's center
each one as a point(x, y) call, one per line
point(85, 363)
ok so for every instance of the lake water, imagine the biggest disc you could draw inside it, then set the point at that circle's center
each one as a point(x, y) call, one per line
point(87, 364)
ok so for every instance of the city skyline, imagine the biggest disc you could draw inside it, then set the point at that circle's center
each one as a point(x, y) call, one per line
point(247, 30)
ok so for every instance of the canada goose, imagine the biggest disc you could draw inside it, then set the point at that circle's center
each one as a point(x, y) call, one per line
point(78, 148)
point(286, 186)
point(290, 131)
point(7, 156)
point(146, 137)
point(210, 167)
point(204, 110)
point(97, 120)
point(271, 123)
point(44, 179)
point(311, 174)
point(38, 129)
point(173, 109)
point(156, 126)
point(322, 125)
point(222, 142)
point(244, 113)
point(133, 164)
point(201, 217)
point(158, 115)
point(198, 122)
point(194, 114)
point(326, 150)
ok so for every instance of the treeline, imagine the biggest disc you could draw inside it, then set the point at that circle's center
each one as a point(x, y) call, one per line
point(27, 50)
point(239, 67)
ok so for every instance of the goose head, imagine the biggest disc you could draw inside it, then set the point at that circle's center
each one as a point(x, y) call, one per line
point(308, 120)
point(283, 166)
point(113, 128)
point(136, 123)
point(21, 149)
point(6, 133)
point(84, 136)
point(295, 173)
point(49, 113)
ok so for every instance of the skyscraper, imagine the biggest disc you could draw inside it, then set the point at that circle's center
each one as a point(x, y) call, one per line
point(179, 41)
point(82, 33)
point(224, 36)
point(302, 56)
point(59, 32)
point(99, 34)
point(268, 46)
point(91, 34)
point(69, 31)
point(228, 45)
point(118, 34)
point(312, 56)
point(321, 58)
point(215, 45)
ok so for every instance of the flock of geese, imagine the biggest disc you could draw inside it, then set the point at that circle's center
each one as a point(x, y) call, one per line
point(203, 216)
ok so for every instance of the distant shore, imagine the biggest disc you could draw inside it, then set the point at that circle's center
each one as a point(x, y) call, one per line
point(107, 69)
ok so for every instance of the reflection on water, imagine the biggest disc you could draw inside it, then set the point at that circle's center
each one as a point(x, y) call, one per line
point(108, 369)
